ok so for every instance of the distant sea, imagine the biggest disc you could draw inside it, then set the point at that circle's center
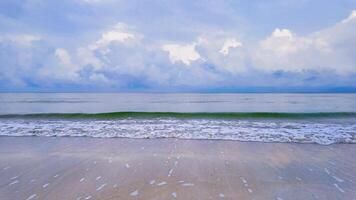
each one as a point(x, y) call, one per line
point(265, 117)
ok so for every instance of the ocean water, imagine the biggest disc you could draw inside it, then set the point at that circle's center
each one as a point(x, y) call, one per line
point(304, 118)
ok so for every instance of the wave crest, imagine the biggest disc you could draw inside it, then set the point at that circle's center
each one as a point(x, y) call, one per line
point(185, 115)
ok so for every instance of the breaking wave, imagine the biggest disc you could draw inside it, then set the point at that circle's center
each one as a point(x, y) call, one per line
point(321, 128)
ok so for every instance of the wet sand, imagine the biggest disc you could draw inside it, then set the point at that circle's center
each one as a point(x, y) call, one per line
point(94, 168)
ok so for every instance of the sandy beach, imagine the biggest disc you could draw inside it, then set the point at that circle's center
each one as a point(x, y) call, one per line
point(97, 168)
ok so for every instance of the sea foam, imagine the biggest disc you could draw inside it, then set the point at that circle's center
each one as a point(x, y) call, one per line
point(299, 131)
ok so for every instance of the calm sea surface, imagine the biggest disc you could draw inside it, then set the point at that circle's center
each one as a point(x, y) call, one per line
point(25, 103)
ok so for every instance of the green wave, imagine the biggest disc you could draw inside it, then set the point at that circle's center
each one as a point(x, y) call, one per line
point(181, 115)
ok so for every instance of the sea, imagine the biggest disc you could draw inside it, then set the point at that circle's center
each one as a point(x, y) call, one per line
point(323, 118)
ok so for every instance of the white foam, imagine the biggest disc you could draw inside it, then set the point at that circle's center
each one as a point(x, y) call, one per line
point(127, 165)
point(152, 182)
point(32, 197)
point(338, 179)
point(101, 187)
point(170, 172)
point(88, 197)
point(238, 129)
point(187, 184)
point(221, 195)
point(174, 195)
point(82, 179)
point(162, 183)
point(338, 187)
point(332, 163)
point(134, 193)
point(14, 182)
point(98, 178)
point(326, 171)
point(45, 185)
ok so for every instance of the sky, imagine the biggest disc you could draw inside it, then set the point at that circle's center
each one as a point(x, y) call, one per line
point(178, 45)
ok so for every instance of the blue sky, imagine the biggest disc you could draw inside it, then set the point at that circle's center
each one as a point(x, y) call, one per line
point(178, 45)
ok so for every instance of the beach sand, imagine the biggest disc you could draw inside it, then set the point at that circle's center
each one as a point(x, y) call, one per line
point(118, 168)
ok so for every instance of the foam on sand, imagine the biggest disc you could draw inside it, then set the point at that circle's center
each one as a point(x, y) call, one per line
point(134, 193)
point(101, 187)
point(32, 197)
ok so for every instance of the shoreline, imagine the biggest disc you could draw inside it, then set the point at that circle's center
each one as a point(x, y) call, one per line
point(169, 168)
point(175, 138)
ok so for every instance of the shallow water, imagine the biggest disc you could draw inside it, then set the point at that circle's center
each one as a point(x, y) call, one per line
point(304, 118)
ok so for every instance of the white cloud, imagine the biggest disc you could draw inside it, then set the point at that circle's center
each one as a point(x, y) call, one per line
point(96, 77)
point(120, 56)
point(94, 1)
point(282, 33)
point(21, 39)
point(119, 33)
point(63, 57)
point(330, 49)
point(286, 51)
point(184, 53)
point(66, 69)
point(61, 67)
point(229, 43)
point(351, 17)
point(87, 57)
point(222, 52)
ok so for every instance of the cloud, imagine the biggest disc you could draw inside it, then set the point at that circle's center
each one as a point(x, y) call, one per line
point(282, 33)
point(351, 17)
point(60, 67)
point(119, 33)
point(230, 62)
point(284, 50)
point(63, 57)
point(184, 53)
point(228, 44)
point(330, 49)
point(18, 58)
point(99, 78)
point(124, 45)
point(87, 56)
point(21, 39)
point(93, 1)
